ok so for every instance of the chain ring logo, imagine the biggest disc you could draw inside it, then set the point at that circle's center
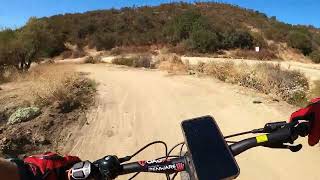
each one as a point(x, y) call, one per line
point(179, 166)
point(142, 163)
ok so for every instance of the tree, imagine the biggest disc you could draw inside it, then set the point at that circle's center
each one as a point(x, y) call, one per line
point(34, 41)
point(10, 49)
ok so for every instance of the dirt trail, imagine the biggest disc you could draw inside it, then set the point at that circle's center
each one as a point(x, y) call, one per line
point(135, 107)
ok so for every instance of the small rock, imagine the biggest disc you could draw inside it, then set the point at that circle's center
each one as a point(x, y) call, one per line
point(257, 102)
point(0, 88)
point(276, 100)
point(23, 114)
point(14, 96)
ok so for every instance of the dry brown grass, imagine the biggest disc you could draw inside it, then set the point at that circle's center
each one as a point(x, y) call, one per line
point(76, 53)
point(171, 63)
point(93, 60)
point(291, 86)
point(50, 83)
point(130, 50)
point(58, 84)
point(315, 91)
point(144, 60)
point(249, 54)
point(8, 75)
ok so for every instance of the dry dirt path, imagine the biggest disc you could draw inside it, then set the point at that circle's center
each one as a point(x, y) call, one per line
point(135, 107)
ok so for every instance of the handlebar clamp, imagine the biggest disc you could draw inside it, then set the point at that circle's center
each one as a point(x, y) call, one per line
point(109, 166)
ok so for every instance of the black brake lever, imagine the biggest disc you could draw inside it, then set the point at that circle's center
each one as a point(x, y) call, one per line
point(295, 148)
point(292, 148)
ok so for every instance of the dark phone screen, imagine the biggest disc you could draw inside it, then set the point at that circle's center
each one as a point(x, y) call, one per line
point(210, 154)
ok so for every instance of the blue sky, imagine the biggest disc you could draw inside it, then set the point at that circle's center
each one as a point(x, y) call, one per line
point(15, 13)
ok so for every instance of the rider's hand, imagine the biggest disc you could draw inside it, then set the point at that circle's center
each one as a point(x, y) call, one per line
point(50, 165)
point(311, 113)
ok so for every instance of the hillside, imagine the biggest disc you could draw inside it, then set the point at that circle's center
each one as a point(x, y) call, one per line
point(185, 28)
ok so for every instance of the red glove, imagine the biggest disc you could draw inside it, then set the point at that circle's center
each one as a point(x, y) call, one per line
point(312, 113)
point(50, 166)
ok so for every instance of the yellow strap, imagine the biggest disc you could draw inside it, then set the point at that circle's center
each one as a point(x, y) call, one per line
point(262, 138)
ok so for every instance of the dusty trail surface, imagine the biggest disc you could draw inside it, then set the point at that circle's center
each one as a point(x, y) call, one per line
point(135, 107)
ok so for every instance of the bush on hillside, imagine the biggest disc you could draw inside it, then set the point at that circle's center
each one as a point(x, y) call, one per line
point(259, 41)
point(203, 41)
point(103, 41)
point(315, 56)
point(164, 25)
point(237, 39)
point(301, 41)
point(182, 25)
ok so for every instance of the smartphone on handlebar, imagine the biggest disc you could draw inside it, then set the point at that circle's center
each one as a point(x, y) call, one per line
point(210, 155)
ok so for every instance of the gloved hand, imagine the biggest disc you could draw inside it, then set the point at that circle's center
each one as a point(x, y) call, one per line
point(50, 166)
point(311, 113)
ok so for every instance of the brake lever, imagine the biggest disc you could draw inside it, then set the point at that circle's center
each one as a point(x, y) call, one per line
point(295, 148)
point(292, 148)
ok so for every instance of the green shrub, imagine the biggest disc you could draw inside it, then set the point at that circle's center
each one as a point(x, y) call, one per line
point(315, 56)
point(103, 41)
point(301, 41)
point(259, 41)
point(164, 25)
point(181, 26)
point(204, 41)
point(238, 39)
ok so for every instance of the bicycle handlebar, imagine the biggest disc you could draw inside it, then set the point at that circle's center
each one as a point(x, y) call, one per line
point(288, 133)
point(166, 166)
point(284, 133)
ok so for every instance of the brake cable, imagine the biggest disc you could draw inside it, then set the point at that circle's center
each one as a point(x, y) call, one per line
point(174, 147)
point(128, 158)
point(268, 128)
point(239, 134)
